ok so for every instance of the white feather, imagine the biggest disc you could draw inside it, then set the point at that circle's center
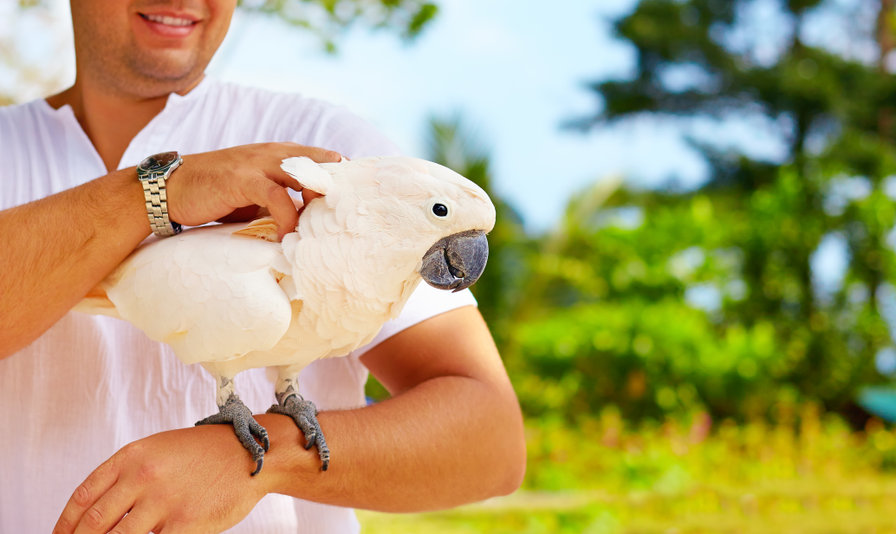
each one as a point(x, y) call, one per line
point(308, 173)
point(234, 302)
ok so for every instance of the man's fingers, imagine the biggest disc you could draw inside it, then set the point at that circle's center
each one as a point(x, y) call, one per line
point(106, 511)
point(94, 487)
point(136, 522)
point(282, 208)
point(320, 155)
point(285, 180)
point(222, 183)
point(309, 195)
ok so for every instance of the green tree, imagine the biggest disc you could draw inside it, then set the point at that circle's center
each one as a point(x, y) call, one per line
point(328, 18)
point(673, 298)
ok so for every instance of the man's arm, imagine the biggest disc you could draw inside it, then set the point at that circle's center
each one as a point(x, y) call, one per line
point(451, 434)
point(58, 248)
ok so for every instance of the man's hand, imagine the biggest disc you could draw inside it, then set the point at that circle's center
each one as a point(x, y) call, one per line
point(231, 184)
point(174, 481)
point(49, 264)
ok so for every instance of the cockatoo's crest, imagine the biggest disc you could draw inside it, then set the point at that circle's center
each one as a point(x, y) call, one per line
point(311, 175)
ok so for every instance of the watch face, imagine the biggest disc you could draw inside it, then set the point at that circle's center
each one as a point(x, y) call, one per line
point(158, 161)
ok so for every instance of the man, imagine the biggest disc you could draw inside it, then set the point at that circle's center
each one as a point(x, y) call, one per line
point(93, 410)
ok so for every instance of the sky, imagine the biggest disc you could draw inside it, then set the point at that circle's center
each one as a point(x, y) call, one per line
point(513, 72)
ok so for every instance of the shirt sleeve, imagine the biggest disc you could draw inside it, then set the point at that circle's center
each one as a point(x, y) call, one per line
point(354, 137)
point(425, 302)
point(336, 128)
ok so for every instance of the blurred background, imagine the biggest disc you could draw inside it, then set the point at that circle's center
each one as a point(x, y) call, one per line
point(692, 280)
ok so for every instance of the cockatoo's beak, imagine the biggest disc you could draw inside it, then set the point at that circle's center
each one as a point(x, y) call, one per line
point(457, 261)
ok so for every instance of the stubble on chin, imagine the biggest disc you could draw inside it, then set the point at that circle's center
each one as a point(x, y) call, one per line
point(120, 66)
point(163, 72)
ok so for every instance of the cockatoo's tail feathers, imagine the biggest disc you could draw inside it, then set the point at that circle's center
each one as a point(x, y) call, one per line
point(264, 228)
point(308, 173)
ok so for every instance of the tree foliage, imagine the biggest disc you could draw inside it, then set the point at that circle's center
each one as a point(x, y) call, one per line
point(328, 18)
point(715, 297)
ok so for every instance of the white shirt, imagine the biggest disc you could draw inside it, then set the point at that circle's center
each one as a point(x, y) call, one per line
point(92, 384)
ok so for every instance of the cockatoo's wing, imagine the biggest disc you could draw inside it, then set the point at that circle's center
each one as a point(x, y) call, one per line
point(209, 294)
point(263, 228)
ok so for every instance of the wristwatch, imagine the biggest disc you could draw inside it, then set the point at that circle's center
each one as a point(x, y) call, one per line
point(152, 173)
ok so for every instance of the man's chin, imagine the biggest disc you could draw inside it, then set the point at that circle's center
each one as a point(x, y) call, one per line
point(168, 71)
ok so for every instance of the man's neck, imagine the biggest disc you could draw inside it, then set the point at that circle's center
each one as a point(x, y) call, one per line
point(110, 120)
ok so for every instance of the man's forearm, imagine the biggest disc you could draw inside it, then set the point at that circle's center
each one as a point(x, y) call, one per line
point(57, 248)
point(448, 441)
point(445, 442)
point(451, 434)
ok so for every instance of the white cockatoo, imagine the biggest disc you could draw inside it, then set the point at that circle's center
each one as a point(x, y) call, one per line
point(231, 297)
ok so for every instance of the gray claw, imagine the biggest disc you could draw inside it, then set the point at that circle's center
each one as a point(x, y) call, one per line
point(245, 427)
point(258, 465)
point(304, 413)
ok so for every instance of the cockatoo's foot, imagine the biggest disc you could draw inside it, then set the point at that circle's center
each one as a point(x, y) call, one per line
point(245, 427)
point(304, 413)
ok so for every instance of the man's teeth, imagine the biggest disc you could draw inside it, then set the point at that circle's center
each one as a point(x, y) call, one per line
point(169, 21)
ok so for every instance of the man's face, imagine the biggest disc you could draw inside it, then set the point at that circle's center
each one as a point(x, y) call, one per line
point(148, 48)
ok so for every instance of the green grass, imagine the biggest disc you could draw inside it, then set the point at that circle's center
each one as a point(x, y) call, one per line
point(704, 511)
point(805, 474)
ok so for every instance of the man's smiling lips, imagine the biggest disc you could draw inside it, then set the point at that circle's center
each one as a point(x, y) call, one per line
point(169, 25)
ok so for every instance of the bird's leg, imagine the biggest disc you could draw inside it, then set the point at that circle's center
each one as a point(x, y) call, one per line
point(304, 413)
point(233, 411)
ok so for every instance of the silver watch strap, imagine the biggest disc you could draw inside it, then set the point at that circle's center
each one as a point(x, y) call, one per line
point(157, 207)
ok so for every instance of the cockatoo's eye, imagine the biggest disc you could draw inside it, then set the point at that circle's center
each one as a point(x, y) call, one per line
point(439, 210)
